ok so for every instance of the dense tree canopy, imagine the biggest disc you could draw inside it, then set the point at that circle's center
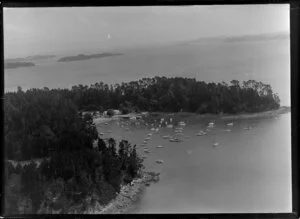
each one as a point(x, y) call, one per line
point(46, 125)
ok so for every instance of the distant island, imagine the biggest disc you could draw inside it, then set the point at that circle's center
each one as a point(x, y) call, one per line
point(30, 58)
point(11, 65)
point(86, 57)
point(40, 57)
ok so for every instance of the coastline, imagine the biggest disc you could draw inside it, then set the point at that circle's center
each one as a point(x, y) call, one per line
point(259, 115)
point(265, 114)
point(127, 196)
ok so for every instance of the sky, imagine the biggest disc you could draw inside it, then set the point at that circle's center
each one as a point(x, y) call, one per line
point(38, 31)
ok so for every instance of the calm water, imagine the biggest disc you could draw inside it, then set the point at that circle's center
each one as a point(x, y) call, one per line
point(266, 61)
point(250, 170)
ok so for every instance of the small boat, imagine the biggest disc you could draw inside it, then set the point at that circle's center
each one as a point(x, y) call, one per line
point(166, 136)
point(230, 124)
point(144, 157)
point(147, 151)
point(150, 134)
point(147, 139)
point(159, 146)
point(159, 161)
point(175, 140)
point(157, 129)
point(182, 124)
point(215, 144)
point(170, 126)
point(211, 124)
point(106, 123)
point(248, 128)
point(227, 130)
point(153, 129)
point(101, 133)
point(178, 131)
point(201, 133)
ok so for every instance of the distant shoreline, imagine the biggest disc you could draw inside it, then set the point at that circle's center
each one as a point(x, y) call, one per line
point(82, 57)
point(224, 116)
point(12, 65)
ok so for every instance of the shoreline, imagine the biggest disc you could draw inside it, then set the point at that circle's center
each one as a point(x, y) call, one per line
point(258, 115)
point(128, 195)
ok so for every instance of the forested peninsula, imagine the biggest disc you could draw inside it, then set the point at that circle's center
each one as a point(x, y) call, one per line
point(70, 168)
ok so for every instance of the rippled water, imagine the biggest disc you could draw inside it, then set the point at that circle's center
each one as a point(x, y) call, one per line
point(249, 171)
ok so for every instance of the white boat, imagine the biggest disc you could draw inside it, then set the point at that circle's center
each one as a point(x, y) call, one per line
point(147, 139)
point(178, 131)
point(230, 124)
point(166, 136)
point(101, 133)
point(248, 128)
point(160, 161)
point(215, 144)
point(150, 134)
point(157, 129)
point(159, 146)
point(170, 126)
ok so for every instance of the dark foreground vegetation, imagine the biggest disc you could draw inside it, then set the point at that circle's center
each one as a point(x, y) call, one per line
point(75, 163)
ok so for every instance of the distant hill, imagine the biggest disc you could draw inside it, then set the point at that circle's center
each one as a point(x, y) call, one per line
point(241, 38)
point(10, 65)
point(262, 37)
point(31, 58)
point(86, 57)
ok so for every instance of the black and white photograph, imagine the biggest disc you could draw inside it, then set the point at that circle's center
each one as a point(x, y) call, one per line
point(147, 109)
